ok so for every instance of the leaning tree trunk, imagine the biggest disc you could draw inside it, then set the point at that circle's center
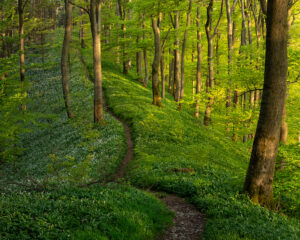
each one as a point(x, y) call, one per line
point(260, 174)
point(64, 58)
point(95, 16)
point(156, 61)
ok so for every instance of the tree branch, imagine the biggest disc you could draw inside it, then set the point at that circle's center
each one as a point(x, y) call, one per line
point(219, 20)
point(83, 8)
point(263, 6)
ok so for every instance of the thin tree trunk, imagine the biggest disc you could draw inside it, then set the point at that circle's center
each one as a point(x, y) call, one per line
point(210, 34)
point(260, 174)
point(244, 28)
point(21, 36)
point(177, 59)
point(95, 16)
point(81, 34)
point(146, 79)
point(199, 61)
point(64, 58)
point(171, 72)
point(156, 61)
point(188, 21)
point(139, 63)
point(162, 74)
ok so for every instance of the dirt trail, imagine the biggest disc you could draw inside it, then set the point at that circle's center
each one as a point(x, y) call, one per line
point(188, 222)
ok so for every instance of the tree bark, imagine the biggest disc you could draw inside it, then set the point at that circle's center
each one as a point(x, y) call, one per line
point(199, 62)
point(95, 17)
point(210, 34)
point(244, 28)
point(162, 75)
point(156, 61)
point(145, 60)
point(177, 59)
point(82, 42)
point(259, 179)
point(139, 63)
point(64, 58)
point(188, 21)
point(21, 36)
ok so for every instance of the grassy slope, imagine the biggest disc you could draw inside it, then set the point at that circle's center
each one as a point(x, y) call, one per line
point(80, 153)
point(175, 153)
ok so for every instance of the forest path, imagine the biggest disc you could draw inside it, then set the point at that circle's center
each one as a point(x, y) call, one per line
point(188, 221)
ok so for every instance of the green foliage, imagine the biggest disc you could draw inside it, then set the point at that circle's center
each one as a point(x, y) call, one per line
point(111, 212)
point(168, 141)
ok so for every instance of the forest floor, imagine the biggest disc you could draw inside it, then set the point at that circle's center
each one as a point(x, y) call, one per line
point(189, 222)
point(170, 159)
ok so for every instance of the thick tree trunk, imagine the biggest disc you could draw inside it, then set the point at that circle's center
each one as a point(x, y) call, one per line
point(177, 60)
point(260, 174)
point(156, 61)
point(188, 21)
point(199, 61)
point(64, 58)
point(95, 16)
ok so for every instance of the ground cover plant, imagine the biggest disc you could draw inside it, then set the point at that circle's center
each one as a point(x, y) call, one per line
point(174, 153)
point(41, 192)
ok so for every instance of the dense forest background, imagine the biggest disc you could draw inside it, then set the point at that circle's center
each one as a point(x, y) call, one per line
point(204, 86)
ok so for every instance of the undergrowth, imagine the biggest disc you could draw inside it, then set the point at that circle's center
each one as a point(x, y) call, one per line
point(41, 193)
point(175, 153)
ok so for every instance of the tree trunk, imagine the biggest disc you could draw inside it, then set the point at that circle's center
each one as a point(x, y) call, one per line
point(64, 58)
point(199, 61)
point(95, 16)
point(162, 74)
point(260, 174)
point(230, 49)
point(210, 34)
point(21, 36)
point(177, 59)
point(284, 125)
point(145, 60)
point(139, 63)
point(156, 61)
point(188, 21)
point(171, 72)
point(244, 28)
point(81, 33)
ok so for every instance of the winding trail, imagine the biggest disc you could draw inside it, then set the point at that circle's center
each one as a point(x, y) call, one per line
point(188, 222)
